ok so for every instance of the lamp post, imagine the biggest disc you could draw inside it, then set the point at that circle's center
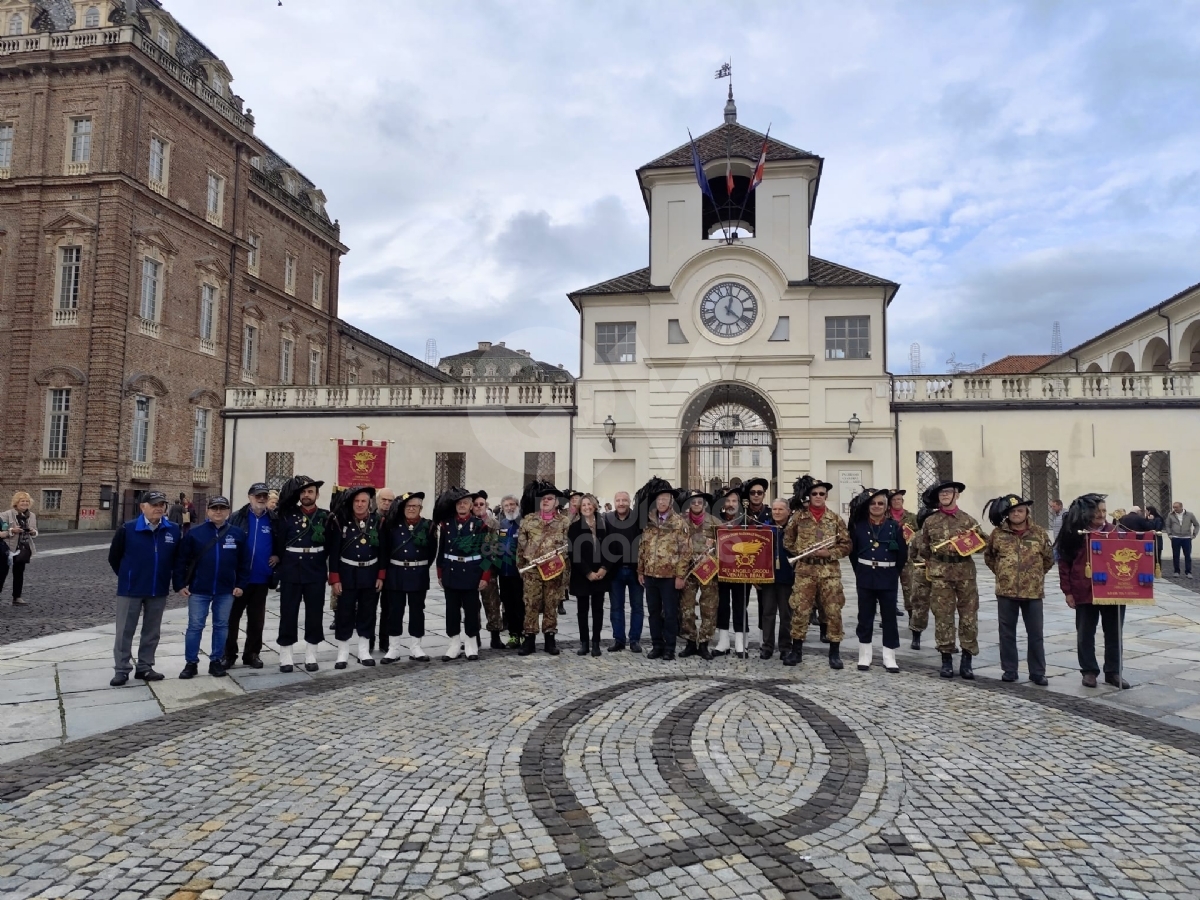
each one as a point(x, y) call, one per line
point(727, 439)
point(610, 432)
point(854, 424)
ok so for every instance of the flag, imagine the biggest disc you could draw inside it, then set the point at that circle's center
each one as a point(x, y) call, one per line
point(699, 167)
point(1122, 567)
point(362, 464)
point(967, 542)
point(725, 71)
point(757, 177)
point(728, 177)
point(746, 555)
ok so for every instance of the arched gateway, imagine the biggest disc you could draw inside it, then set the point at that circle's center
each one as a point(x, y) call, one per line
point(729, 436)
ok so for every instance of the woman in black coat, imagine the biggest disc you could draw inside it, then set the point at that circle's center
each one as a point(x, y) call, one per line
point(589, 570)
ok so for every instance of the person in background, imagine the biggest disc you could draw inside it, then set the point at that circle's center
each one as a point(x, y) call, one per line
point(774, 599)
point(1056, 519)
point(259, 524)
point(510, 583)
point(1181, 529)
point(272, 500)
point(142, 556)
point(489, 597)
point(1157, 524)
point(702, 538)
point(383, 502)
point(19, 529)
point(177, 511)
point(663, 563)
point(621, 547)
point(589, 570)
point(877, 555)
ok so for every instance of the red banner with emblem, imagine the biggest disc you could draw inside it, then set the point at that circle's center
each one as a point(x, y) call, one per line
point(746, 555)
point(361, 464)
point(1121, 564)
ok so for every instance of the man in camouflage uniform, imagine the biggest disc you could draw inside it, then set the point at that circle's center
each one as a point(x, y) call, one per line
point(951, 576)
point(702, 537)
point(491, 594)
point(913, 582)
point(664, 560)
point(818, 575)
point(542, 531)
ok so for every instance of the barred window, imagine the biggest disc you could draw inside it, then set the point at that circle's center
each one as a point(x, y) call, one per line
point(616, 342)
point(539, 466)
point(280, 467)
point(51, 500)
point(933, 466)
point(847, 337)
point(449, 470)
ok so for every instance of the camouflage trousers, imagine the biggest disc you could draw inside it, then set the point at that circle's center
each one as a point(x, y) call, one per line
point(916, 598)
point(947, 598)
point(708, 610)
point(491, 605)
point(541, 599)
point(819, 586)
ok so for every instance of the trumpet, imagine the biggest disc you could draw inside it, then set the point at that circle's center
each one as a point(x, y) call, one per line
point(544, 558)
point(946, 543)
point(808, 551)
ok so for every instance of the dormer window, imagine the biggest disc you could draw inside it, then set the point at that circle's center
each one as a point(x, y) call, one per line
point(163, 39)
point(91, 18)
point(16, 24)
point(217, 83)
point(290, 184)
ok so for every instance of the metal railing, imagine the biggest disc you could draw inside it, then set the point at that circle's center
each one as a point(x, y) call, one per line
point(1035, 388)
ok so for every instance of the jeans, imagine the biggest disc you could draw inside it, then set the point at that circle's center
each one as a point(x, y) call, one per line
point(198, 606)
point(662, 602)
point(1087, 616)
point(128, 609)
point(1007, 610)
point(1184, 546)
point(253, 603)
point(626, 577)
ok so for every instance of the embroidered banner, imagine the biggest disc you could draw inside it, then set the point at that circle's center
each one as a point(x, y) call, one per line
point(746, 555)
point(361, 464)
point(1122, 568)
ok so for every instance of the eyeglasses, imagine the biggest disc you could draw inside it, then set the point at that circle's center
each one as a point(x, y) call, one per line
point(818, 494)
point(758, 491)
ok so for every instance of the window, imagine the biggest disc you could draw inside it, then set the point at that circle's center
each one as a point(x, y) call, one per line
point(164, 39)
point(539, 466)
point(449, 470)
point(6, 146)
point(16, 24)
point(933, 466)
point(51, 500)
point(217, 82)
point(735, 457)
point(81, 140)
point(255, 242)
point(151, 287)
point(289, 274)
point(91, 18)
point(287, 355)
point(1039, 482)
point(783, 330)
point(208, 312)
point(314, 366)
point(318, 288)
point(200, 438)
point(1152, 479)
point(675, 334)
point(848, 337)
point(216, 198)
point(755, 458)
point(158, 164)
point(615, 342)
point(280, 467)
point(250, 350)
point(141, 430)
point(56, 423)
point(69, 264)
point(352, 375)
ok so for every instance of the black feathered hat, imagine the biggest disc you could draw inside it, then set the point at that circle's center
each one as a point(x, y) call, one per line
point(345, 505)
point(685, 496)
point(396, 512)
point(802, 487)
point(997, 508)
point(860, 504)
point(444, 507)
point(535, 491)
point(648, 492)
point(1076, 521)
point(930, 497)
point(289, 494)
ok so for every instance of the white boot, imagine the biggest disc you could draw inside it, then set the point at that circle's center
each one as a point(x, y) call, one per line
point(453, 648)
point(364, 651)
point(722, 641)
point(889, 660)
point(472, 648)
point(739, 649)
point(310, 658)
point(285, 658)
point(395, 648)
point(417, 652)
point(343, 656)
point(865, 651)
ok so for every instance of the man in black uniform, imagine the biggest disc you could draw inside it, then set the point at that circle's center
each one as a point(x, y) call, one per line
point(355, 572)
point(460, 569)
point(409, 549)
point(757, 509)
point(300, 546)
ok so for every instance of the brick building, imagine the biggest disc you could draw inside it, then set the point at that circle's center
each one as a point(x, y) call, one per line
point(152, 251)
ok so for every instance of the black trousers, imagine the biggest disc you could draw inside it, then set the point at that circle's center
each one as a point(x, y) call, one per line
point(1087, 617)
point(253, 603)
point(383, 624)
point(870, 599)
point(594, 601)
point(393, 608)
point(1008, 609)
point(662, 608)
point(1178, 545)
point(775, 600)
point(512, 603)
point(462, 612)
point(18, 574)
point(291, 595)
point(355, 612)
point(732, 598)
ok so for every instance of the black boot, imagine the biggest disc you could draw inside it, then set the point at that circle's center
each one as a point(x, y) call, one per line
point(793, 655)
point(947, 665)
point(583, 648)
point(916, 644)
point(690, 650)
point(964, 667)
point(596, 647)
point(703, 652)
point(497, 644)
point(551, 646)
point(835, 655)
point(562, 608)
point(529, 646)
point(824, 633)
point(656, 652)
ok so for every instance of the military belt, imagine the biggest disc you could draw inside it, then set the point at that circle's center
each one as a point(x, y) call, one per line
point(362, 564)
point(817, 562)
point(876, 563)
point(409, 563)
point(305, 549)
point(463, 558)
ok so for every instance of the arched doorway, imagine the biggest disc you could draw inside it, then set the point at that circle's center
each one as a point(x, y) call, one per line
point(728, 437)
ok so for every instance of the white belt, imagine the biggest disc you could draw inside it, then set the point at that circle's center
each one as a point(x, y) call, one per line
point(306, 549)
point(360, 564)
point(409, 563)
point(876, 563)
point(464, 558)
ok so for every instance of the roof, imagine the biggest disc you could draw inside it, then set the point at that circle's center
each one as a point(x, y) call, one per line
point(731, 138)
point(370, 340)
point(1016, 364)
point(635, 282)
point(519, 361)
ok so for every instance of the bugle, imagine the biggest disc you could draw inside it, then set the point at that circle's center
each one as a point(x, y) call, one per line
point(544, 558)
point(809, 551)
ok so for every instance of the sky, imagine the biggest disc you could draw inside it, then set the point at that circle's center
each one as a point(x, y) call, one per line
point(1009, 164)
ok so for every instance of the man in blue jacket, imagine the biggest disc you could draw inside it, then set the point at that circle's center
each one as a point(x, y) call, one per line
point(259, 523)
point(211, 569)
point(143, 556)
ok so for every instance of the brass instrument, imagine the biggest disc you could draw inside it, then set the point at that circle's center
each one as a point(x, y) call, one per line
point(808, 551)
point(544, 558)
point(946, 543)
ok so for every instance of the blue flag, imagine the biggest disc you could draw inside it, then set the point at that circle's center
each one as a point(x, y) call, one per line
point(699, 167)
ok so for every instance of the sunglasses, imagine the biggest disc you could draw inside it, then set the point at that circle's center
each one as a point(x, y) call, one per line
point(818, 494)
point(757, 491)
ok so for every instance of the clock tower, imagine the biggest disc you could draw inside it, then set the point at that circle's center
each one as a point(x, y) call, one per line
point(735, 353)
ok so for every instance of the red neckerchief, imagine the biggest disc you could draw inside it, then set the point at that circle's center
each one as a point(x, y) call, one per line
point(696, 519)
point(817, 511)
point(948, 511)
point(548, 516)
point(897, 514)
point(464, 518)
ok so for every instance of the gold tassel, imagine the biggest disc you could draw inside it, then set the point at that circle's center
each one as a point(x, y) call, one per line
point(1087, 570)
point(1157, 569)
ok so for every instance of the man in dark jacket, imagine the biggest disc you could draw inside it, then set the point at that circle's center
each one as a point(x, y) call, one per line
point(355, 572)
point(143, 557)
point(210, 571)
point(409, 547)
point(259, 524)
point(300, 546)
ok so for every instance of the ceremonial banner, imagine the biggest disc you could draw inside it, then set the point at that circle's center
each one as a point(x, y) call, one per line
point(746, 555)
point(362, 464)
point(967, 542)
point(706, 570)
point(907, 532)
point(552, 568)
point(1122, 568)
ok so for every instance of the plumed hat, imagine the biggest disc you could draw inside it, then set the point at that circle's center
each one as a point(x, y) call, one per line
point(930, 497)
point(344, 508)
point(395, 513)
point(685, 496)
point(444, 507)
point(802, 487)
point(534, 492)
point(997, 508)
point(648, 493)
point(289, 494)
point(860, 504)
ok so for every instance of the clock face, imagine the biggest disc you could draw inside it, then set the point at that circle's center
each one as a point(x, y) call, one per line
point(728, 309)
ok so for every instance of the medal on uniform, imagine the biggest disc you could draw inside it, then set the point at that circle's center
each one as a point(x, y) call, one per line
point(362, 541)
